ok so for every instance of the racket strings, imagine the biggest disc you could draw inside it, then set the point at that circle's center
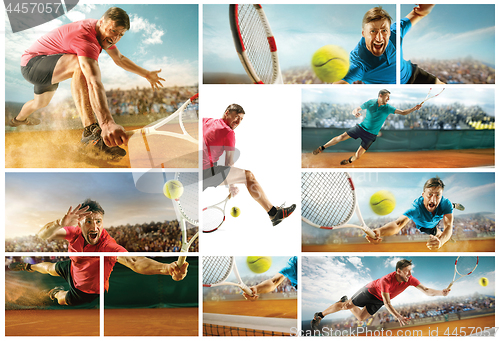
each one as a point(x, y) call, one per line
point(189, 120)
point(188, 201)
point(465, 265)
point(254, 37)
point(327, 198)
point(216, 269)
point(213, 217)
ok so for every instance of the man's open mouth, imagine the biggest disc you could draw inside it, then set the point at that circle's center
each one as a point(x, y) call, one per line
point(93, 235)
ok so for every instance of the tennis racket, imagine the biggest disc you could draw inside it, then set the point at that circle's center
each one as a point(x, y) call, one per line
point(217, 269)
point(255, 43)
point(464, 266)
point(429, 95)
point(215, 215)
point(186, 120)
point(186, 209)
point(329, 201)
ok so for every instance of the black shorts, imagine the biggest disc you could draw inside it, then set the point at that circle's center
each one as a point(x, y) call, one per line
point(432, 231)
point(73, 296)
point(420, 76)
point(39, 71)
point(214, 176)
point(363, 298)
point(366, 138)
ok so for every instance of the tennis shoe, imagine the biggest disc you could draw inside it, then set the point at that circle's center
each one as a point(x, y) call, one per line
point(94, 146)
point(53, 292)
point(282, 213)
point(318, 150)
point(346, 162)
point(343, 299)
point(316, 321)
point(30, 121)
point(458, 206)
point(18, 266)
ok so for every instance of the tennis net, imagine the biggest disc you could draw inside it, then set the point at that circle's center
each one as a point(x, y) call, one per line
point(236, 325)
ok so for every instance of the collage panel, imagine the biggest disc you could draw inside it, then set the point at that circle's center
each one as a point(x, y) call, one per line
point(316, 44)
point(398, 296)
point(398, 127)
point(133, 115)
point(249, 157)
point(398, 212)
point(162, 303)
point(250, 296)
point(95, 212)
point(46, 296)
point(454, 43)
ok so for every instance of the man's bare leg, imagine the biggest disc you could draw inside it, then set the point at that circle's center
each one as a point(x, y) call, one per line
point(353, 158)
point(343, 304)
point(332, 142)
point(39, 102)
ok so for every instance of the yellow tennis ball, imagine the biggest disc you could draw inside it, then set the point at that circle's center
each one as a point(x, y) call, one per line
point(330, 63)
point(173, 189)
point(483, 281)
point(259, 264)
point(235, 212)
point(383, 202)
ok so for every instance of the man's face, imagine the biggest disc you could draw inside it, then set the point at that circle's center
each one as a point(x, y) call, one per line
point(91, 227)
point(383, 99)
point(377, 34)
point(109, 33)
point(405, 273)
point(432, 198)
point(233, 119)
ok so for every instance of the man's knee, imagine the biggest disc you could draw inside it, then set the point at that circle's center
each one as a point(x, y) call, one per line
point(249, 176)
point(41, 101)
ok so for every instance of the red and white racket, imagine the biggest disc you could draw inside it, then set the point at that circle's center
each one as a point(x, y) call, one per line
point(464, 266)
point(217, 269)
point(429, 95)
point(215, 215)
point(255, 43)
point(329, 201)
point(186, 209)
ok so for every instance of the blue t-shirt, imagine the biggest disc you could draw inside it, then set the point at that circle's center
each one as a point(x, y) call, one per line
point(375, 116)
point(423, 218)
point(290, 271)
point(406, 67)
point(370, 69)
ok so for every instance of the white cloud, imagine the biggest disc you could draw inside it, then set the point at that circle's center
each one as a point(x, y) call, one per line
point(150, 32)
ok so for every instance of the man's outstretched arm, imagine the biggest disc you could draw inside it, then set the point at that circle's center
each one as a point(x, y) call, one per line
point(389, 229)
point(419, 12)
point(148, 266)
point(130, 66)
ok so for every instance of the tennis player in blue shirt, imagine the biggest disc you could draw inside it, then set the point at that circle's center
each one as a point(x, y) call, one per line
point(373, 60)
point(377, 111)
point(289, 271)
point(426, 212)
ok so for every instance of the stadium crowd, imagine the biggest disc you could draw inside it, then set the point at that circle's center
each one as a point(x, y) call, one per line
point(442, 117)
point(153, 237)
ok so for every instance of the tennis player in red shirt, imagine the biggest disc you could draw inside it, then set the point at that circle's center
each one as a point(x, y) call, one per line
point(378, 293)
point(219, 137)
point(83, 228)
point(72, 51)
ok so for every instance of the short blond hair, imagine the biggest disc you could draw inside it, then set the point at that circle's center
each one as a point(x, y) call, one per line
point(376, 14)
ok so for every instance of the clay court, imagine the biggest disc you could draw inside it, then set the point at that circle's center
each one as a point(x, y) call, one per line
point(462, 158)
point(62, 149)
point(482, 245)
point(286, 308)
point(470, 326)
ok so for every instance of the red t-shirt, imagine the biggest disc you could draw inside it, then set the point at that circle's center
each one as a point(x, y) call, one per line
point(85, 270)
point(218, 137)
point(390, 284)
point(79, 38)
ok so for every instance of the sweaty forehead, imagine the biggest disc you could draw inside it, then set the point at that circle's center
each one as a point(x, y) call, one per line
point(94, 216)
point(377, 24)
point(433, 190)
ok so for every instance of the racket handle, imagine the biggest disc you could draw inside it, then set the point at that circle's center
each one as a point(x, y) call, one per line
point(369, 232)
point(180, 261)
point(246, 290)
point(449, 286)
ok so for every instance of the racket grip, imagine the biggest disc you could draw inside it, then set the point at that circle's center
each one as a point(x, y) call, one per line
point(449, 286)
point(246, 290)
point(369, 232)
point(180, 261)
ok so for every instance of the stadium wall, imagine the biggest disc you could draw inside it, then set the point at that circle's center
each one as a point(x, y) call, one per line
point(402, 140)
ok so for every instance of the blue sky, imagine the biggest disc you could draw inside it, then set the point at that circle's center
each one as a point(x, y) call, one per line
point(485, 98)
point(161, 37)
point(450, 31)
point(34, 199)
point(476, 191)
point(326, 279)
